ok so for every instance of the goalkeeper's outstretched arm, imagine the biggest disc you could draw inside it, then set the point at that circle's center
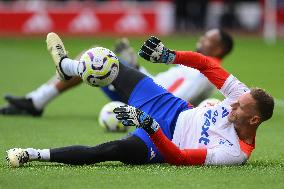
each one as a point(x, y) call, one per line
point(174, 155)
point(154, 50)
point(132, 116)
point(213, 71)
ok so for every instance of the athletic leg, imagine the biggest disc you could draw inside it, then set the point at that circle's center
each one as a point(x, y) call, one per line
point(130, 150)
point(132, 86)
point(111, 93)
point(126, 81)
point(109, 90)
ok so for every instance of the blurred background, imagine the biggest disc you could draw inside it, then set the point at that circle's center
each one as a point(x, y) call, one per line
point(257, 60)
point(163, 17)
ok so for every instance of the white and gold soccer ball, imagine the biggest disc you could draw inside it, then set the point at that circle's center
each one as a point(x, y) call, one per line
point(98, 66)
point(108, 120)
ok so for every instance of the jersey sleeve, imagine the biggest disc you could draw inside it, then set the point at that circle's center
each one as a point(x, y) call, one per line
point(216, 156)
point(232, 89)
point(211, 69)
point(220, 156)
point(230, 86)
point(174, 155)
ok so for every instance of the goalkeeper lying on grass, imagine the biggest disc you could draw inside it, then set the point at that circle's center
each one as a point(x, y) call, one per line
point(168, 129)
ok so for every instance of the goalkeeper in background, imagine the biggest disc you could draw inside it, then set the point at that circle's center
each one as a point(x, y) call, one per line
point(184, 82)
point(169, 130)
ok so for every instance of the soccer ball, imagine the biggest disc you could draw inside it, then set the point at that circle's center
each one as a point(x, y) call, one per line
point(98, 66)
point(108, 120)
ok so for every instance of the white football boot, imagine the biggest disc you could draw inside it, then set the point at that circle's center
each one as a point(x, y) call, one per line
point(17, 157)
point(57, 50)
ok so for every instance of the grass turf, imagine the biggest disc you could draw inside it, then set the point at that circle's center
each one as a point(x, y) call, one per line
point(72, 119)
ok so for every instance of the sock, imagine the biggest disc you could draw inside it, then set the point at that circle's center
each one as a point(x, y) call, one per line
point(38, 154)
point(70, 67)
point(42, 95)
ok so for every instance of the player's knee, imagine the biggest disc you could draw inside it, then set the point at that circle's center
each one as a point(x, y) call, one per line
point(134, 150)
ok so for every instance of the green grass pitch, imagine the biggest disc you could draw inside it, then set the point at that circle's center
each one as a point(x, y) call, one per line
point(72, 119)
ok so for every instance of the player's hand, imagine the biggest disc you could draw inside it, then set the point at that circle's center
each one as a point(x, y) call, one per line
point(154, 50)
point(132, 116)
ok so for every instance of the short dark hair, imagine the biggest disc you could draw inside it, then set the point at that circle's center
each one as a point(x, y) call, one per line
point(264, 103)
point(226, 42)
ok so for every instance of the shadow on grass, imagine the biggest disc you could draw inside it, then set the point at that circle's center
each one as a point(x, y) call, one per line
point(252, 165)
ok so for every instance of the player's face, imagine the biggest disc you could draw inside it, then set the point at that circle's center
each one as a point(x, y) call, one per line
point(209, 43)
point(243, 111)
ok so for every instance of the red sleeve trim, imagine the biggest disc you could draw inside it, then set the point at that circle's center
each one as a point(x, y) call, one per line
point(206, 65)
point(174, 155)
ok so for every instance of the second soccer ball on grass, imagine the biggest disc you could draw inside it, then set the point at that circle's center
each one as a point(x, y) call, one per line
point(108, 120)
point(98, 66)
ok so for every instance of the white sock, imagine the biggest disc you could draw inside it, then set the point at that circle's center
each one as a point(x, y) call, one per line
point(42, 95)
point(70, 67)
point(38, 154)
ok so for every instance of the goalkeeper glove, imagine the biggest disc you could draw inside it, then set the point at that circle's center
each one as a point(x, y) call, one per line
point(154, 50)
point(132, 116)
